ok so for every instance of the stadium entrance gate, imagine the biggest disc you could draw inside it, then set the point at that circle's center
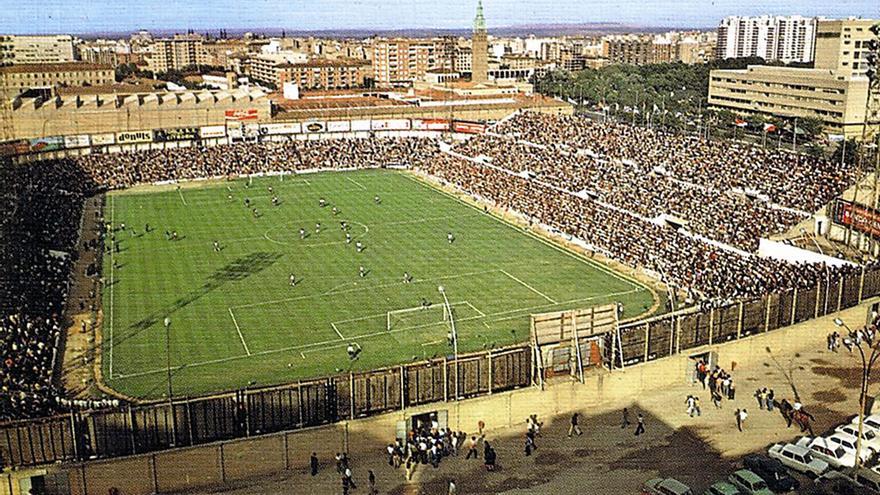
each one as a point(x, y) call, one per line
point(566, 342)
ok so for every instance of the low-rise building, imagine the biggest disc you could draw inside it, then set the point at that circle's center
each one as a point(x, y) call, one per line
point(834, 91)
point(18, 78)
point(837, 99)
point(80, 112)
point(325, 74)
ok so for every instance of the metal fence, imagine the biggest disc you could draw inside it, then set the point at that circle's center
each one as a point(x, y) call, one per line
point(243, 413)
point(665, 335)
point(248, 412)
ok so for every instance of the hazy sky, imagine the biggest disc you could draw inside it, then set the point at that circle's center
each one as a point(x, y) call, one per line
point(83, 16)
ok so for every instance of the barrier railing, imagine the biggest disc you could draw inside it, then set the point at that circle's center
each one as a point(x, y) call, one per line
point(248, 412)
point(244, 413)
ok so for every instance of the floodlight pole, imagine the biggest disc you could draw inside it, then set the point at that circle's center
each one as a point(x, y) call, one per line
point(868, 362)
point(170, 391)
point(454, 337)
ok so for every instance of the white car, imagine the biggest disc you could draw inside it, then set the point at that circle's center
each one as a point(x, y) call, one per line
point(798, 458)
point(849, 442)
point(870, 439)
point(871, 422)
point(833, 454)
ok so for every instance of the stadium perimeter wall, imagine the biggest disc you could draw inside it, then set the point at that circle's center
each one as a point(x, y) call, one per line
point(220, 463)
point(253, 412)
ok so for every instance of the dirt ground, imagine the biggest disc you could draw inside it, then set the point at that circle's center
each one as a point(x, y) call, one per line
point(607, 458)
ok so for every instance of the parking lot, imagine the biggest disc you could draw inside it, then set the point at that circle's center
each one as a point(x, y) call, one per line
point(698, 451)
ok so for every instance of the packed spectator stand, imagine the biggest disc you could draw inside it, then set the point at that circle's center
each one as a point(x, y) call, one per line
point(599, 182)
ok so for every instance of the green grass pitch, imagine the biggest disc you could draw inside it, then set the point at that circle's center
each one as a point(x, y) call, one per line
point(235, 319)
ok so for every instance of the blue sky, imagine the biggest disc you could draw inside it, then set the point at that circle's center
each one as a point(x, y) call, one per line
point(83, 16)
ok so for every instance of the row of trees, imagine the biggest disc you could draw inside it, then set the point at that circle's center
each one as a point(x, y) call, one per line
point(673, 96)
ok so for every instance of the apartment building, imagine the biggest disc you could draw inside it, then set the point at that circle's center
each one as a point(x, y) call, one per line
point(787, 39)
point(400, 61)
point(176, 53)
point(47, 49)
point(834, 91)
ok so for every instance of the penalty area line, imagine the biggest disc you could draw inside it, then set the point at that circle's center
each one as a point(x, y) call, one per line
point(356, 183)
point(238, 329)
point(527, 286)
point(341, 337)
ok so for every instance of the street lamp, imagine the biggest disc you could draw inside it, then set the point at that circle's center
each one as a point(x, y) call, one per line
point(454, 336)
point(868, 362)
point(170, 392)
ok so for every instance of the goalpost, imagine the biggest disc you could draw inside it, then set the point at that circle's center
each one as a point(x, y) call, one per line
point(416, 317)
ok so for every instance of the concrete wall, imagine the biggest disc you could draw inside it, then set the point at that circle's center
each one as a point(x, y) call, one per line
point(220, 463)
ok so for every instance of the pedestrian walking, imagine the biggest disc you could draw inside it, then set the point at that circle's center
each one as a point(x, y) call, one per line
point(625, 420)
point(770, 399)
point(716, 399)
point(451, 489)
point(348, 476)
point(741, 416)
point(640, 424)
point(313, 464)
point(574, 428)
point(372, 480)
point(472, 448)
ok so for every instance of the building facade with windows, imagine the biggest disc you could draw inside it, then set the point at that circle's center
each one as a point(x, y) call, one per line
point(45, 49)
point(326, 74)
point(787, 39)
point(18, 78)
point(835, 91)
point(837, 99)
point(176, 53)
point(842, 45)
point(400, 61)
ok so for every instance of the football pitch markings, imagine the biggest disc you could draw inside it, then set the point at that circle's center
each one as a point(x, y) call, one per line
point(338, 333)
point(303, 348)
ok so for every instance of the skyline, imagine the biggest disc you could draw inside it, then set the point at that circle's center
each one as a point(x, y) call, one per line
point(104, 16)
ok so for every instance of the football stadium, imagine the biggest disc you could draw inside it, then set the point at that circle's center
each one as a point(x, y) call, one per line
point(317, 297)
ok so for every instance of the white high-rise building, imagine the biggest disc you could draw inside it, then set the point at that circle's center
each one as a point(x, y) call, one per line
point(787, 39)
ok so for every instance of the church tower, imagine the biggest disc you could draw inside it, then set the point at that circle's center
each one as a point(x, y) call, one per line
point(480, 49)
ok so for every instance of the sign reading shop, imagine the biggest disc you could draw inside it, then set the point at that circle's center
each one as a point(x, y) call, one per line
point(179, 134)
point(129, 137)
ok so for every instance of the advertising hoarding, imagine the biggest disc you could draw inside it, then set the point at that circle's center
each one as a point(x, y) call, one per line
point(129, 137)
point(49, 143)
point(338, 126)
point(178, 134)
point(78, 141)
point(212, 131)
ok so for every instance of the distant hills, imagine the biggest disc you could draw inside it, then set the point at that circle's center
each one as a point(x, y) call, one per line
point(538, 30)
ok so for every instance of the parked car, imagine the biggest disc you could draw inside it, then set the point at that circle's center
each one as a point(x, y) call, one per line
point(849, 442)
point(841, 483)
point(749, 483)
point(871, 421)
point(722, 488)
point(666, 486)
point(833, 454)
point(799, 458)
point(772, 471)
point(870, 438)
point(868, 478)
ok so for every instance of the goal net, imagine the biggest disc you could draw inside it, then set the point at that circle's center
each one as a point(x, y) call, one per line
point(417, 317)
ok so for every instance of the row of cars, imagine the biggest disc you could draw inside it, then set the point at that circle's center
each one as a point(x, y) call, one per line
point(828, 457)
point(760, 475)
